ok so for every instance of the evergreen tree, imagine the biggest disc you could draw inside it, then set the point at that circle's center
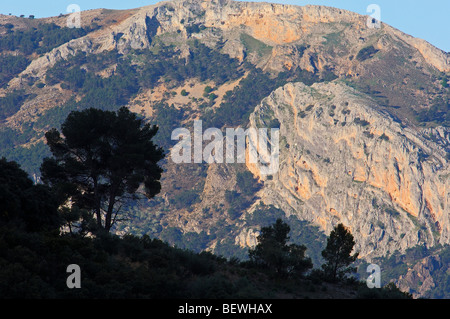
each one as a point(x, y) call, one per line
point(337, 254)
point(24, 204)
point(274, 254)
point(101, 159)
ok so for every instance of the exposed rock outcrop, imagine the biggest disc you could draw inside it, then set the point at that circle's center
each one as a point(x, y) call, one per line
point(421, 276)
point(343, 161)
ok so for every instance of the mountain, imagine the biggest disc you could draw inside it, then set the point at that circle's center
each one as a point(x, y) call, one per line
point(363, 115)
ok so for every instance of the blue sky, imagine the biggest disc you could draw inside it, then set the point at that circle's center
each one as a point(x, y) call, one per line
point(428, 20)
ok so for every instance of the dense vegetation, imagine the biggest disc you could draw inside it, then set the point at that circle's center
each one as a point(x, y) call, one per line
point(106, 93)
point(33, 265)
point(203, 63)
point(41, 39)
point(11, 103)
point(34, 257)
point(438, 113)
point(239, 104)
point(30, 157)
point(366, 53)
point(167, 118)
point(32, 206)
point(10, 66)
point(129, 77)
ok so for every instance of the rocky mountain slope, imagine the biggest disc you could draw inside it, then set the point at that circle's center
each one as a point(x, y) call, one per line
point(363, 116)
point(345, 161)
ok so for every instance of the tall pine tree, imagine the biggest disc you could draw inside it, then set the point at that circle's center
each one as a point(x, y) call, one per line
point(100, 161)
point(338, 254)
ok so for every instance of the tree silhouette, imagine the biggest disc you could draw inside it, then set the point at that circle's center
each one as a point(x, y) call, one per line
point(274, 254)
point(101, 161)
point(23, 203)
point(337, 254)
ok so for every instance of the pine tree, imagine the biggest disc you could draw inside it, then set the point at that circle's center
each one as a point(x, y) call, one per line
point(337, 254)
point(101, 160)
point(274, 254)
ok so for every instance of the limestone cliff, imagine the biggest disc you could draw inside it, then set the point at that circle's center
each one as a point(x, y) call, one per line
point(343, 161)
point(421, 276)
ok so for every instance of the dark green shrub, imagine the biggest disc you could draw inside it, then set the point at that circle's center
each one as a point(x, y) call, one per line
point(366, 53)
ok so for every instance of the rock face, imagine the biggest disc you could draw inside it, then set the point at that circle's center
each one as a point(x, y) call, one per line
point(343, 161)
point(421, 276)
point(247, 238)
point(274, 24)
point(314, 38)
